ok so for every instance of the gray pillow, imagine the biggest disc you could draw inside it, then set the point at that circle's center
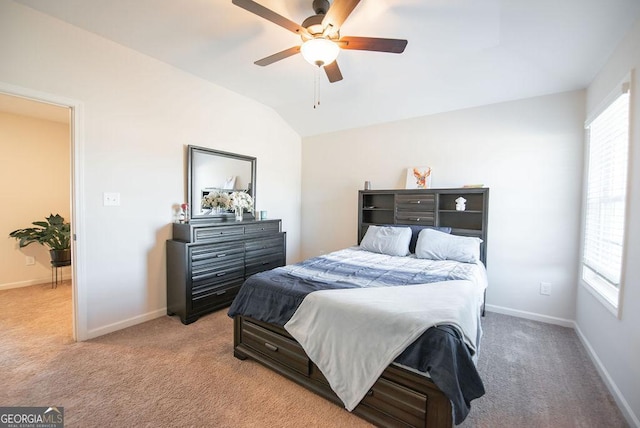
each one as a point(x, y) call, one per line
point(436, 245)
point(393, 241)
point(415, 230)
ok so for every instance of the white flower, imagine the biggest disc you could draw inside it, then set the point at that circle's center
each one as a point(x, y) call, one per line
point(217, 199)
point(241, 200)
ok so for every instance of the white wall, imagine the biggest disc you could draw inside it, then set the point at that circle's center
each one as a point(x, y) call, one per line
point(616, 342)
point(529, 153)
point(35, 182)
point(139, 114)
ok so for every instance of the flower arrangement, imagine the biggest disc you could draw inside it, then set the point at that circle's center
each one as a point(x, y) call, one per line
point(217, 200)
point(241, 200)
point(221, 201)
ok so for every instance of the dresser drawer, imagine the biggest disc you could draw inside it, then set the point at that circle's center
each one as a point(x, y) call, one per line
point(423, 218)
point(260, 264)
point(275, 346)
point(218, 295)
point(397, 401)
point(262, 228)
point(416, 202)
point(261, 247)
point(390, 398)
point(215, 274)
point(217, 233)
point(205, 254)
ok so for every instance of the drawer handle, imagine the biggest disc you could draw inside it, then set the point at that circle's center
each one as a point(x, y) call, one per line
point(221, 255)
point(271, 347)
point(221, 292)
point(370, 393)
point(265, 263)
point(221, 274)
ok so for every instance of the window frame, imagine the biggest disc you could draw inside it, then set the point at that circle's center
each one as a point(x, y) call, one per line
point(608, 295)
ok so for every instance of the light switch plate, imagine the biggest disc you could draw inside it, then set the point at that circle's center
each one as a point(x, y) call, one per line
point(111, 199)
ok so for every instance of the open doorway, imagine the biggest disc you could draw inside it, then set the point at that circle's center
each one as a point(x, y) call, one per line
point(37, 173)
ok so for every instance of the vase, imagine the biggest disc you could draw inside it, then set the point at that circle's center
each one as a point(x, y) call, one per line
point(239, 212)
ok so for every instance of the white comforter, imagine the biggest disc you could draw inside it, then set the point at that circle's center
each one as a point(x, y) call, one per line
point(385, 320)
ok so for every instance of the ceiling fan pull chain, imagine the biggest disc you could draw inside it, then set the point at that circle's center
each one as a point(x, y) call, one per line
point(316, 88)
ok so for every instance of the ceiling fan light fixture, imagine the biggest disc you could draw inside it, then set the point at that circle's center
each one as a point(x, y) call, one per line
point(319, 51)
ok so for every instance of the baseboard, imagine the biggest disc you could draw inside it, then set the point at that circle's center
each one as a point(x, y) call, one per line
point(531, 316)
point(27, 283)
point(101, 331)
point(623, 405)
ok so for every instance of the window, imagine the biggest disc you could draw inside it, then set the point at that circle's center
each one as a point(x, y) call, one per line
point(606, 196)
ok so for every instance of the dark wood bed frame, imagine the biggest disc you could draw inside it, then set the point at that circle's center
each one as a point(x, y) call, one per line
point(400, 397)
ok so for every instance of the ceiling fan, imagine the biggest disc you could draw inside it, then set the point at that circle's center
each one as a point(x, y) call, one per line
point(320, 33)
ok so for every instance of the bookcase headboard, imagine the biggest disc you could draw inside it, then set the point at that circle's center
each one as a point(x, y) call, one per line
point(427, 207)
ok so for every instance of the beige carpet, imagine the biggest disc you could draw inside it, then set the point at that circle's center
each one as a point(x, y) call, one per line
point(157, 374)
point(164, 374)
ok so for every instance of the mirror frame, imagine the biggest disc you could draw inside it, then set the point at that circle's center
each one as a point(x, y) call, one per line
point(192, 150)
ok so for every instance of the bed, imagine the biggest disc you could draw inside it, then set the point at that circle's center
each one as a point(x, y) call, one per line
point(428, 376)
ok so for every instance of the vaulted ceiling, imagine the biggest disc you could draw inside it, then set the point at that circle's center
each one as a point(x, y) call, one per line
point(461, 53)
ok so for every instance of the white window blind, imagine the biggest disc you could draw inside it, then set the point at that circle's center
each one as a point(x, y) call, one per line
point(606, 195)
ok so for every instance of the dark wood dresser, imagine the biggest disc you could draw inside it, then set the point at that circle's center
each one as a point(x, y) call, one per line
point(207, 262)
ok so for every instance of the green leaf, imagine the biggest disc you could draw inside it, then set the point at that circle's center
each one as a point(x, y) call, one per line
point(54, 233)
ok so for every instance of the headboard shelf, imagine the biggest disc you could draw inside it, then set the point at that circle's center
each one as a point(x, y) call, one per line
point(427, 207)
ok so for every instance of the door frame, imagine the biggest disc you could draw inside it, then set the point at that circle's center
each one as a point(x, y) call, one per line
point(76, 131)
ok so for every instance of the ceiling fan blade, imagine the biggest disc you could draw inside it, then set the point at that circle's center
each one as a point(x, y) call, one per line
point(338, 13)
point(333, 72)
point(278, 56)
point(270, 15)
point(373, 44)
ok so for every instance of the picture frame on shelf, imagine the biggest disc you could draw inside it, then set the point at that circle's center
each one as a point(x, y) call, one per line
point(418, 177)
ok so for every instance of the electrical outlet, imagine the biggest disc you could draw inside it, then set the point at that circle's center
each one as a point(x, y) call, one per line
point(30, 261)
point(111, 199)
point(545, 288)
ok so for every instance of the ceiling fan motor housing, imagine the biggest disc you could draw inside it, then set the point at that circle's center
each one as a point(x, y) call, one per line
point(320, 7)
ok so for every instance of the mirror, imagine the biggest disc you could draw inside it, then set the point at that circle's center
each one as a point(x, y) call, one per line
point(212, 170)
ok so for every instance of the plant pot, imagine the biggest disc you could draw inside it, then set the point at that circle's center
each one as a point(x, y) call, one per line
point(60, 256)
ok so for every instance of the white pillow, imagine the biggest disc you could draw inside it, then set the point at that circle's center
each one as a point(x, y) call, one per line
point(393, 241)
point(436, 245)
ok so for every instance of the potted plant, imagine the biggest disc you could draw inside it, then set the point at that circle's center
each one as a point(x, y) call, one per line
point(53, 233)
